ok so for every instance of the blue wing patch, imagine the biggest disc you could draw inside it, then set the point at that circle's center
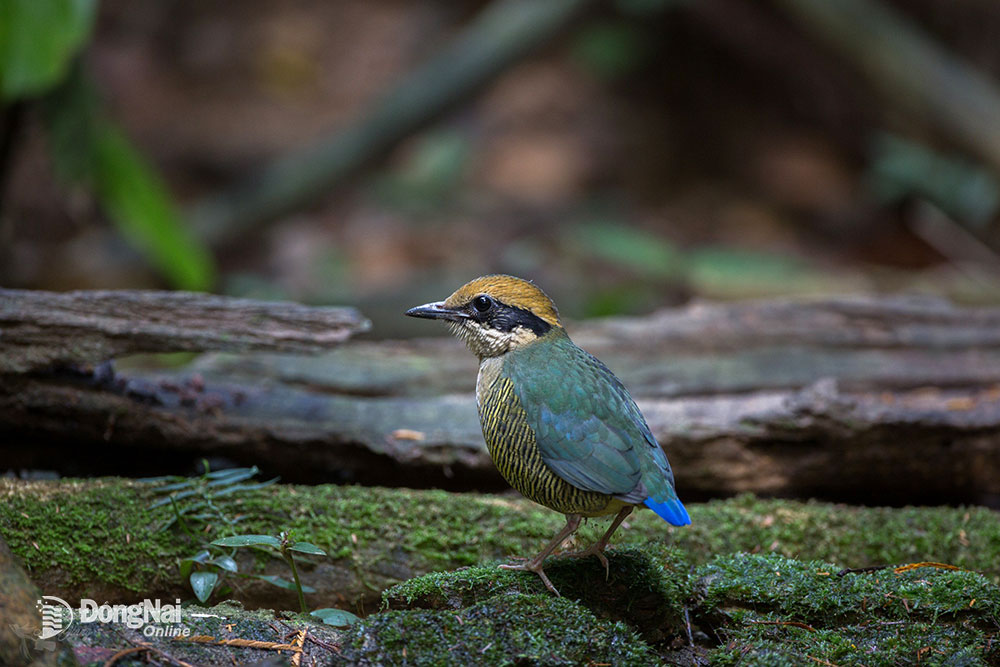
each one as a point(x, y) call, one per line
point(672, 511)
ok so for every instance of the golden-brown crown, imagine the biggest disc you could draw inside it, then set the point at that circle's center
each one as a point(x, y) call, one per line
point(511, 291)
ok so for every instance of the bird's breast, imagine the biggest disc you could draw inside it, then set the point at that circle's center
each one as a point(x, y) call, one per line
point(510, 440)
point(489, 370)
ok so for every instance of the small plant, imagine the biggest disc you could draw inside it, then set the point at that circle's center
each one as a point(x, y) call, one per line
point(200, 493)
point(205, 582)
point(195, 511)
point(284, 545)
point(194, 501)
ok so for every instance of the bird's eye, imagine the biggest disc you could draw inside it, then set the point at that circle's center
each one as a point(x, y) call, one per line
point(482, 303)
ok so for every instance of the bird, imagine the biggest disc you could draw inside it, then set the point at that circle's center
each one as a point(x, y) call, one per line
point(560, 427)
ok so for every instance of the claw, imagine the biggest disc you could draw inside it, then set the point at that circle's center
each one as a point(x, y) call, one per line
point(532, 566)
point(535, 564)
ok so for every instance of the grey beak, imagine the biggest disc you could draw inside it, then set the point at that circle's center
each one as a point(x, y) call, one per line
point(437, 311)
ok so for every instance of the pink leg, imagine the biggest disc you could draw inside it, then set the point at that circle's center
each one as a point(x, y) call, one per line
point(597, 548)
point(535, 564)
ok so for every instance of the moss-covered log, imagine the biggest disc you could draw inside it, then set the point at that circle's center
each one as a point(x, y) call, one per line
point(102, 539)
point(655, 606)
point(747, 609)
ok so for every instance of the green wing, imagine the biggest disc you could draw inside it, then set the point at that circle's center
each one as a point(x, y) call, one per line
point(588, 429)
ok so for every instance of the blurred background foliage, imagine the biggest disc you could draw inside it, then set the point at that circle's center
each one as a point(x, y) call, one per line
point(40, 44)
point(626, 155)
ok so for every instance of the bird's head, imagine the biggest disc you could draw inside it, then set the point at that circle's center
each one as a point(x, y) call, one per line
point(495, 314)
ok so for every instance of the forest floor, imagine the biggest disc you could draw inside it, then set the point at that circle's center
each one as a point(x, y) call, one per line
point(751, 581)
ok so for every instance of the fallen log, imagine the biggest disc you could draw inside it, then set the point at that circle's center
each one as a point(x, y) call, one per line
point(879, 400)
point(40, 329)
point(653, 608)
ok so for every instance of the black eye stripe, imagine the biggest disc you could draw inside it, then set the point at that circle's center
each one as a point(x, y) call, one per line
point(506, 318)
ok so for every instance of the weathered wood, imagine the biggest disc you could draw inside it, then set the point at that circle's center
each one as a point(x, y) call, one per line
point(875, 400)
point(41, 329)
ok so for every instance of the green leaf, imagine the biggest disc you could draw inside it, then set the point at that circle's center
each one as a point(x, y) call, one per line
point(247, 541)
point(200, 557)
point(229, 472)
point(173, 498)
point(187, 564)
point(237, 476)
point(174, 487)
point(138, 202)
point(610, 49)
point(156, 480)
point(239, 488)
point(737, 272)
point(88, 149)
point(202, 584)
point(902, 168)
point(38, 40)
point(281, 583)
point(307, 548)
point(335, 617)
point(226, 563)
point(188, 509)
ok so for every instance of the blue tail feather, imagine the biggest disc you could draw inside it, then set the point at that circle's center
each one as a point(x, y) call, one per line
point(672, 511)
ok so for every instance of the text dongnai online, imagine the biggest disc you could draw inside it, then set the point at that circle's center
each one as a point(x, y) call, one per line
point(135, 616)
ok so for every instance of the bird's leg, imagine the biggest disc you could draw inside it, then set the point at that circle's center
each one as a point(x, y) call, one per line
point(597, 548)
point(535, 564)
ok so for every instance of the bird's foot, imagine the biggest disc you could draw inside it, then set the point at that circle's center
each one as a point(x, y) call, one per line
point(596, 549)
point(535, 566)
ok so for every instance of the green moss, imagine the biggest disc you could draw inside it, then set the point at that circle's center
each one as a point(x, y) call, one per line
point(507, 629)
point(103, 531)
point(89, 531)
point(880, 643)
point(757, 609)
point(740, 605)
point(851, 536)
point(646, 587)
point(812, 590)
point(775, 610)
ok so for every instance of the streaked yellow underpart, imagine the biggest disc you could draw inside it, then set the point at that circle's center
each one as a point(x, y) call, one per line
point(512, 446)
point(512, 291)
